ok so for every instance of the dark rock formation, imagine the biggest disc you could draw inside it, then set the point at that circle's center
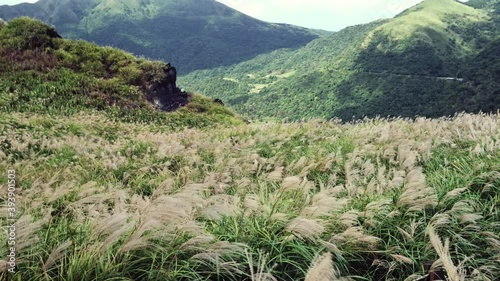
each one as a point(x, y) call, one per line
point(165, 94)
point(219, 101)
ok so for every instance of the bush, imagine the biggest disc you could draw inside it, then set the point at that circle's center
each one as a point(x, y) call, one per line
point(27, 34)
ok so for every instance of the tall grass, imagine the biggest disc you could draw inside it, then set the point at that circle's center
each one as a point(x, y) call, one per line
point(396, 199)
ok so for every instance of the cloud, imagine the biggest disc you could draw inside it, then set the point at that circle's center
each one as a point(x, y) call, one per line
point(14, 2)
point(326, 14)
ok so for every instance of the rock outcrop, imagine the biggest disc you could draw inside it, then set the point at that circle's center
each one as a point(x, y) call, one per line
point(219, 101)
point(165, 94)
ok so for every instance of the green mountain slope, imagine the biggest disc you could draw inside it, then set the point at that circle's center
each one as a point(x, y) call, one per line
point(44, 74)
point(418, 63)
point(192, 34)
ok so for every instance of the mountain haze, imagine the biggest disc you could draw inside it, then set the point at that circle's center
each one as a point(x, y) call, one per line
point(425, 61)
point(192, 34)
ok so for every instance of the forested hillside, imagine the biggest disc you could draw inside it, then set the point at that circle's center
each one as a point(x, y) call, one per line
point(430, 61)
point(192, 34)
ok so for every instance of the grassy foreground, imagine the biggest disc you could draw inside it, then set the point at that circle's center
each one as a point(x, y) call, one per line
point(99, 199)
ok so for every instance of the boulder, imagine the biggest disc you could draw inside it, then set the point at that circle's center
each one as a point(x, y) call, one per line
point(164, 93)
point(219, 101)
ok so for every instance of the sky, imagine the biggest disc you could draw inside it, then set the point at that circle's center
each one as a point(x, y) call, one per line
point(331, 15)
point(13, 2)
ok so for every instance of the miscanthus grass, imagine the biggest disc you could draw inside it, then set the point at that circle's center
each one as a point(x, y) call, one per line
point(376, 200)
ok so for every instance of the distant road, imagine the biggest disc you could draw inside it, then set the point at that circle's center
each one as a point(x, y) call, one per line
point(416, 76)
point(406, 75)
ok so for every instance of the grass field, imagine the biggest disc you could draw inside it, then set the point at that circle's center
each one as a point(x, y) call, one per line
point(397, 199)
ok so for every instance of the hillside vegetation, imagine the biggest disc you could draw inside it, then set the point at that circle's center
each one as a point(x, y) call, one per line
point(43, 73)
point(378, 200)
point(192, 34)
point(428, 61)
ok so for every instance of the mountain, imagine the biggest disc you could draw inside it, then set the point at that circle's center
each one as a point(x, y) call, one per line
point(426, 61)
point(192, 34)
point(42, 73)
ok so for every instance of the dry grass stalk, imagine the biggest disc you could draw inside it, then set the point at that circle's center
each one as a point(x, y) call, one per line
point(331, 247)
point(326, 199)
point(305, 228)
point(300, 163)
point(378, 208)
point(221, 205)
point(291, 183)
point(276, 175)
point(26, 232)
point(56, 255)
point(3, 266)
point(407, 236)
point(252, 204)
point(226, 248)
point(406, 157)
point(443, 252)
point(114, 236)
point(356, 236)
point(415, 277)
point(111, 224)
point(350, 218)
point(452, 194)
point(197, 243)
point(402, 259)
point(417, 194)
point(322, 269)
point(260, 275)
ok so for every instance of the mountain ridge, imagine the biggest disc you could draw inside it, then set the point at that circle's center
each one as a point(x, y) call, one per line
point(190, 34)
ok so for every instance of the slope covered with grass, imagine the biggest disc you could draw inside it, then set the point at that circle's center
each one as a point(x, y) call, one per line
point(382, 199)
point(43, 73)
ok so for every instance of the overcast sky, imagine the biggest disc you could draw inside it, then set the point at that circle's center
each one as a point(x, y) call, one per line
point(322, 14)
point(331, 15)
point(13, 2)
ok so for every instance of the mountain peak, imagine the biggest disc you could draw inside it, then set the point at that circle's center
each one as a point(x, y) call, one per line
point(429, 20)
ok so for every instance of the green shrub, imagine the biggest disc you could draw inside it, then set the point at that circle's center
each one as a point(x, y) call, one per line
point(27, 34)
point(130, 74)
